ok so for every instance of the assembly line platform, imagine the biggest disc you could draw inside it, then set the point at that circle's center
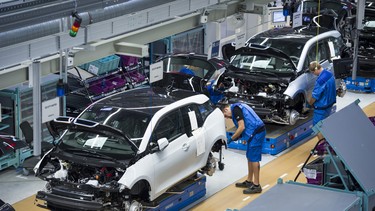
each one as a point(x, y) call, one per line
point(181, 195)
point(361, 84)
point(280, 137)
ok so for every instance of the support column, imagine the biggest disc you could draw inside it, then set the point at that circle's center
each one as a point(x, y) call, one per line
point(64, 72)
point(359, 26)
point(37, 108)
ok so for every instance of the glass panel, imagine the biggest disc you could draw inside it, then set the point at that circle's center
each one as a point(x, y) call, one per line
point(189, 42)
point(170, 126)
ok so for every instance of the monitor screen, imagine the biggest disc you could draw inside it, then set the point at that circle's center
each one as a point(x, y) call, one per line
point(278, 16)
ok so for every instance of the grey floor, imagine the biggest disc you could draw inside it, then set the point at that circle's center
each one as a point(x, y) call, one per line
point(15, 187)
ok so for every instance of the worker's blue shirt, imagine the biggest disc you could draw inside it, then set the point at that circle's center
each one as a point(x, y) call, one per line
point(251, 121)
point(187, 71)
point(214, 95)
point(324, 91)
point(325, 95)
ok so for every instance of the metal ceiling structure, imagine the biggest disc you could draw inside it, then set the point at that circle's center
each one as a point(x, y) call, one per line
point(104, 25)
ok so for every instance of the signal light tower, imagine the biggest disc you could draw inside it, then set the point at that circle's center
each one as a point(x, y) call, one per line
point(77, 23)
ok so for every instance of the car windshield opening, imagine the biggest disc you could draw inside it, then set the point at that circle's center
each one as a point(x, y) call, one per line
point(292, 47)
point(261, 63)
point(132, 122)
point(110, 145)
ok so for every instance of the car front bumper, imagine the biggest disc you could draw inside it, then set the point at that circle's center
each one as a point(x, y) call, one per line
point(48, 200)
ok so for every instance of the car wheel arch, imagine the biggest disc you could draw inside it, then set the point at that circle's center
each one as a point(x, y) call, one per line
point(141, 188)
point(298, 101)
point(217, 144)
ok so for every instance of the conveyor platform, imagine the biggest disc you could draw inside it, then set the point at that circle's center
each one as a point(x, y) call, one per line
point(280, 137)
point(180, 196)
point(361, 84)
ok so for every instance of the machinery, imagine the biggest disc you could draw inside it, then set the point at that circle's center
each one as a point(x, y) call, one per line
point(346, 173)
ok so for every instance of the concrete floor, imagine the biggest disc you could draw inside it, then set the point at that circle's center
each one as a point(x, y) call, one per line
point(14, 186)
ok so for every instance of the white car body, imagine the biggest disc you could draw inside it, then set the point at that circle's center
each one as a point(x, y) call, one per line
point(158, 161)
point(271, 72)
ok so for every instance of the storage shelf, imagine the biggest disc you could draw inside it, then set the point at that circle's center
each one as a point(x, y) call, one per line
point(3, 126)
point(5, 116)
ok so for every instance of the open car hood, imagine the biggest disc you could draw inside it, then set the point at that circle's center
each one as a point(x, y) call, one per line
point(63, 123)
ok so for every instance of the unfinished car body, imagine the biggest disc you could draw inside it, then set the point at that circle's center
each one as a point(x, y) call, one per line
point(126, 150)
point(192, 72)
point(271, 73)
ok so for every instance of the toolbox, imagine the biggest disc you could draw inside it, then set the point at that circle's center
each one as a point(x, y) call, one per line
point(314, 171)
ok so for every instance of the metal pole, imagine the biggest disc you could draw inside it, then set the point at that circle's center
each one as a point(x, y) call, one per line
point(359, 25)
point(64, 73)
point(37, 108)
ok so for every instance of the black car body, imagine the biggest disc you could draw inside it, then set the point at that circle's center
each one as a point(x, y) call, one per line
point(203, 75)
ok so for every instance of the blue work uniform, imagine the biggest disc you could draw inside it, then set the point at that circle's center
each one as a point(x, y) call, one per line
point(187, 71)
point(254, 132)
point(324, 94)
point(214, 95)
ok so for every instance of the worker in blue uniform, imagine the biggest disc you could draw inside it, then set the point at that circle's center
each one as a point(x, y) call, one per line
point(251, 129)
point(188, 69)
point(324, 93)
point(215, 93)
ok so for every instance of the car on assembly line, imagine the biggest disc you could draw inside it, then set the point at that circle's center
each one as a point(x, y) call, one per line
point(193, 72)
point(271, 72)
point(129, 148)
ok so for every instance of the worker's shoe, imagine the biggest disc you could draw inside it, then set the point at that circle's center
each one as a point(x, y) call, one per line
point(244, 184)
point(253, 189)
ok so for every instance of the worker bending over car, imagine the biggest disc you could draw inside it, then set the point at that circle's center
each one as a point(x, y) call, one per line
point(251, 129)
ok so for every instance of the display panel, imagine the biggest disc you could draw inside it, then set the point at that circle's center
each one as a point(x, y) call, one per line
point(278, 16)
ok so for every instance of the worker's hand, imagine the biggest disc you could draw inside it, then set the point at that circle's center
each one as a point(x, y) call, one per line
point(229, 140)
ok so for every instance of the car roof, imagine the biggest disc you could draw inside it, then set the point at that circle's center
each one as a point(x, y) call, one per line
point(217, 63)
point(145, 99)
point(301, 35)
point(255, 49)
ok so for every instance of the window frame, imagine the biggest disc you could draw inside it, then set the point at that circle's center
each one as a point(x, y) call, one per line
point(154, 137)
